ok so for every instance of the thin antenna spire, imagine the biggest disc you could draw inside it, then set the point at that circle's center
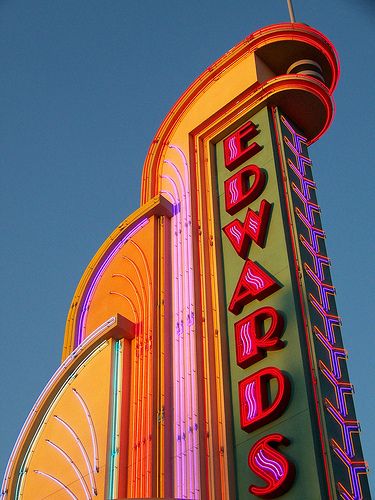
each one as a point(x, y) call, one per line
point(291, 12)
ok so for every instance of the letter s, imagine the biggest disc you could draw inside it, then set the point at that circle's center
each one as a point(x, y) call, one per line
point(271, 466)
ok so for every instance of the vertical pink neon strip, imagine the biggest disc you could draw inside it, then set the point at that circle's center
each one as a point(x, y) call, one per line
point(187, 438)
point(177, 351)
point(193, 413)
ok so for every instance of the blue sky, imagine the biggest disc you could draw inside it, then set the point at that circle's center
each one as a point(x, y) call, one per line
point(84, 85)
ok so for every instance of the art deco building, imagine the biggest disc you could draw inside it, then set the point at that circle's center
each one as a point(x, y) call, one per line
point(202, 357)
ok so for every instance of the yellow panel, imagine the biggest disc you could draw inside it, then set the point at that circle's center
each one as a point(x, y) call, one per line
point(125, 286)
point(67, 427)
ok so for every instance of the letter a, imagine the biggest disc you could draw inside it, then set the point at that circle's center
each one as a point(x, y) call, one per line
point(254, 283)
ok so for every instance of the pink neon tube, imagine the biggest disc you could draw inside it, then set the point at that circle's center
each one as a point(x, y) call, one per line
point(185, 338)
point(177, 351)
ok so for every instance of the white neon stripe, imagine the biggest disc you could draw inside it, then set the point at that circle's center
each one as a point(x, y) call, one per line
point(83, 451)
point(57, 481)
point(232, 147)
point(47, 388)
point(272, 463)
point(75, 468)
point(254, 280)
point(246, 339)
point(92, 429)
point(235, 233)
point(251, 400)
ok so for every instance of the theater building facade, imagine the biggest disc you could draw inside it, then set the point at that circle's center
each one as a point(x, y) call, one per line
point(202, 357)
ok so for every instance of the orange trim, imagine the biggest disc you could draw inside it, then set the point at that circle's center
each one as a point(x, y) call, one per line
point(268, 35)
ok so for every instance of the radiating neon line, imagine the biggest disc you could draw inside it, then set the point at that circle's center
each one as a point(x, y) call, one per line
point(73, 465)
point(148, 368)
point(35, 410)
point(97, 275)
point(143, 485)
point(177, 365)
point(188, 431)
point(119, 275)
point(136, 485)
point(90, 422)
point(330, 320)
point(83, 451)
point(57, 481)
point(194, 470)
point(129, 301)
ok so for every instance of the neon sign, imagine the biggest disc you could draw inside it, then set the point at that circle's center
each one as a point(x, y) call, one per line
point(332, 373)
point(252, 342)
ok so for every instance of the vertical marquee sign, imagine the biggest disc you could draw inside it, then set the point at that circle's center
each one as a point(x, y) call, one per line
point(283, 329)
point(202, 356)
point(271, 394)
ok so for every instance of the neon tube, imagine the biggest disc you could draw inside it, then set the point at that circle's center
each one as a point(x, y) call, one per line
point(190, 426)
point(148, 389)
point(181, 386)
point(330, 321)
point(177, 386)
point(137, 449)
point(347, 426)
point(355, 468)
point(83, 451)
point(75, 468)
point(119, 275)
point(94, 440)
point(98, 273)
point(147, 347)
point(130, 302)
point(57, 481)
point(34, 411)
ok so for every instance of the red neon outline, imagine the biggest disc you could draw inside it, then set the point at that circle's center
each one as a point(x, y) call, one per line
point(254, 228)
point(239, 192)
point(259, 341)
point(237, 145)
point(262, 410)
point(253, 283)
point(268, 35)
point(274, 487)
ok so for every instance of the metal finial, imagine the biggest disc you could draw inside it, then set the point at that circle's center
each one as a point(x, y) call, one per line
point(291, 12)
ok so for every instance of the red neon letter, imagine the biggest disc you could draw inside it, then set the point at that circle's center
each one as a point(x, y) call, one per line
point(252, 341)
point(254, 228)
point(236, 147)
point(239, 192)
point(271, 466)
point(254, 283)
point(255, 408)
